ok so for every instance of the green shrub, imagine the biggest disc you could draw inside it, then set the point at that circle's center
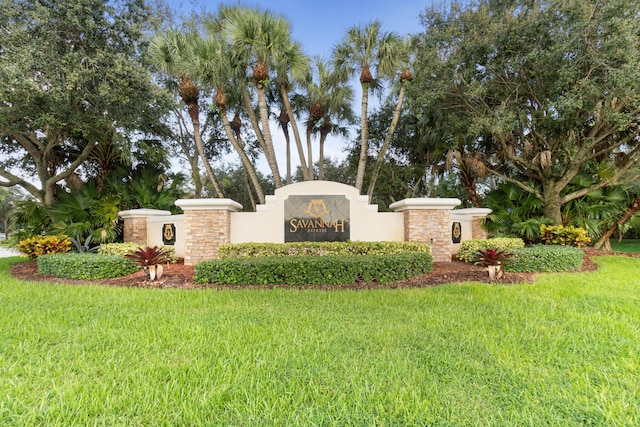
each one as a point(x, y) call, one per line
point(564, 235)
point(545, 258)
point(123, 249)
point(35, 246)
point(314, 270)
point(117, 248)
point(85, 266)
point(469, 249)
point(246, 250)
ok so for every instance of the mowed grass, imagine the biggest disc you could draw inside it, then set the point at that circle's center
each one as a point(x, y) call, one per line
point(627, 245)
point(564, 351)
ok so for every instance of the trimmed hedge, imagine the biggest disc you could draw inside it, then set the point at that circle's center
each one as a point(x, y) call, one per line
point(123, 249)
point(247, 250)
point(85, 266)
point(545, 258)
point(469, 249)
point(314, 270)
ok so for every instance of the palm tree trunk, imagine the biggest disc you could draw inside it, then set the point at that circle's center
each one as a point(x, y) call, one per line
point(200, 146)
point(252, 118)
point(287, 139)
point(323, 137)
point(243, 156)
point(266, 133)
point(364, 144)
point(385, 144)
point(296, 134)
point(309, 150)
point(632, 209)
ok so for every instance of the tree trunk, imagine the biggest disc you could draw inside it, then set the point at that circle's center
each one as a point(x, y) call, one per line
point(200, 146)
point(552, 203)
point(194, 112)
point(287, 139)
point(266, 133)
point(309, 152)
point(323, 137)
point(253, 119)
point(469, 184)
point(243, 156)
point(632, 209)
point(296, 134)
point(386, 143)
point(364, 144)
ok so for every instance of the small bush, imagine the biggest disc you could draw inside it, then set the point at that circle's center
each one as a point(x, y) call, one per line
point(564, 235)
point(469, 249)
point(247, 250)
point(545, 258)
point(314, 270)
point(85, 266)
point(492, 256)
point(117, 248)
point(148, 256)
point(35, 246)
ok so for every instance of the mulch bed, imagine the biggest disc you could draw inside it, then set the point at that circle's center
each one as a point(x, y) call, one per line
point(182, 276)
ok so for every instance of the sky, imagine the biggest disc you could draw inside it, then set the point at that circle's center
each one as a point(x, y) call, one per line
point(319, 26)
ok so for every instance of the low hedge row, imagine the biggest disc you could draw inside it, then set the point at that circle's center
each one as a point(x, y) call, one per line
point(545, 258)
point(246, 250)
point(303, 270)
point(85, 266)
point(468, 251)
point(123, 249)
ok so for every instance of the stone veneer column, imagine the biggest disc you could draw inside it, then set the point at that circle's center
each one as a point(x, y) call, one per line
point(428, 220)
point(135, 224)
point(477, 228)
point(207, 225)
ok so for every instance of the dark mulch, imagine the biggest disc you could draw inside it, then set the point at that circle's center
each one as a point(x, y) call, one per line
point(182, 276)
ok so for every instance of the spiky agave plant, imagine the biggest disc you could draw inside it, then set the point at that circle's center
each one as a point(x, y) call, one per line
point(150, 259)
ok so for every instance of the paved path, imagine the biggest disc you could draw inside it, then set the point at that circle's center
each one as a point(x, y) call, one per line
point(7, 252)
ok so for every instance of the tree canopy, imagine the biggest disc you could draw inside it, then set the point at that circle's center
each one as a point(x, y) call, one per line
point(72, 77)
point(543, 89)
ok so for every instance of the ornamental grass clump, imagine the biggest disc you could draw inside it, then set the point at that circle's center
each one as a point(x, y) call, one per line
point(150, 259)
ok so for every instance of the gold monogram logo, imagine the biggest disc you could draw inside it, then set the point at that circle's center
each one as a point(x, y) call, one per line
point(167, 232)
point(317, 208)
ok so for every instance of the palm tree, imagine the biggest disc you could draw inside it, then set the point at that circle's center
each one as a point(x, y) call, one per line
point(330, 105)
point(171, 52)
point(292, 67)
point(205, 63)
point(259, 39)
point(366, 49)
point(405, 59)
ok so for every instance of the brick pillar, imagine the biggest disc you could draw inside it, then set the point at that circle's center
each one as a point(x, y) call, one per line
point(135, 223)
point(477, 228)
point(428, 220)
point(207, 225)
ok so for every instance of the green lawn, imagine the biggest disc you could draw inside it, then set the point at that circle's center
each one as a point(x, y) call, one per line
point(564, 351)
point(627, 245)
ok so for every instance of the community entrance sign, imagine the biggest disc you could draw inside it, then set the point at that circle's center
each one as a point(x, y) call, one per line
point(319, 218)
point(306, 211)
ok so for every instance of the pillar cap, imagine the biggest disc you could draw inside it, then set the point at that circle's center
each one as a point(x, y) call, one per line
point(474, 212)
point(142, 213)
point(208, 205)
point(424, 203)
